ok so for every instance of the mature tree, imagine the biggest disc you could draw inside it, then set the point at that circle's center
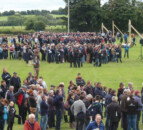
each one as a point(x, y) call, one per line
point(39, 26)
point(85, 15)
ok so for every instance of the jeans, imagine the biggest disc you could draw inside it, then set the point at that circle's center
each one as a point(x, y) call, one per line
point(43, 122)
point(138, 119)
point(131, 121)
point(37, 113)
point(11, 55)
point(58, 119)
point(126, 52)
point(15, 54)
point(96, 62)
point(24, 56)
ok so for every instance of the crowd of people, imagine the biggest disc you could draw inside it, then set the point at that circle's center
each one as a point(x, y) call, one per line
point(75, 48)
point(83, 108)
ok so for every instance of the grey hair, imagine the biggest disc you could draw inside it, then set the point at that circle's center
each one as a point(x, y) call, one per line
point(11, 87)
point(114, 98)
point(89, 96)
point(31, 115)
point(130, 83)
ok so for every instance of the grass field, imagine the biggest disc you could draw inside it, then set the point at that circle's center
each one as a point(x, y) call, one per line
point(23, 27)
point(110, 75)
point(5, 18)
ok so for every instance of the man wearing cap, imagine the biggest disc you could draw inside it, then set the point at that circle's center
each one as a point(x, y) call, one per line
point(140, 107)
point(16, 82)
point(20, 98)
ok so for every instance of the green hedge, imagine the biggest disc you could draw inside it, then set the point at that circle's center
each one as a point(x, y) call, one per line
point(15, 31)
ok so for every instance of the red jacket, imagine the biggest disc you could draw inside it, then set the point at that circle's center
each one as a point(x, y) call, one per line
point(28, 127)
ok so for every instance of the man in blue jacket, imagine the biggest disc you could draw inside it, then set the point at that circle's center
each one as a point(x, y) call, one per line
point(140, 107)
point(44, 113)
point(97, 124)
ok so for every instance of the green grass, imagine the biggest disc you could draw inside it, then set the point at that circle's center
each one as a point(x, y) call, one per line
point(23, 27)
point(110, 75)
point(5, 18)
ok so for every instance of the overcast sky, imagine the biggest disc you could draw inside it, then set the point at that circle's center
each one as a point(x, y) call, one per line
point(20, 5)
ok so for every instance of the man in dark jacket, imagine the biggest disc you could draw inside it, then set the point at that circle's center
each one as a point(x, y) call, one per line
point(4, 88)
point(114, 113)
point(16, 82)
point(99, 91)
point(58, 103)
point(44, 113)
point(51, 110)
point(6, 77)
point(20, 96)
point(89, 88)
point(10, 94)
point(124, 98)
point(79, 80)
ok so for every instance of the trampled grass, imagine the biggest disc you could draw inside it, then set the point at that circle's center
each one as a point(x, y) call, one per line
point(110, 75)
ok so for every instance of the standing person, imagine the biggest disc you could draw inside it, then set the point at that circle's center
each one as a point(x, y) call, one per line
point(16, 82)
point(10, 94)
point(20, 98)
point(58, 103)
point(70, 101)
point(97, 124)
point(38, 102)
point(95, 108)
point(119, 53)
point(140, 108)
point(44, 113)
point(36, 64)
point(127, 46)
point(6, 76)
point(30, 57)
point(132, 107)
point(79, 80)
point(124, 98)
point(31, 124)
point(3, 113)
point(79, 110)
point(32, 102)
point(71, 57)
point(11, 115)
point(11, 48)
point(120, 91)
point(4, 89)
point(125, 37)
point(113, 110)
point(51, 110)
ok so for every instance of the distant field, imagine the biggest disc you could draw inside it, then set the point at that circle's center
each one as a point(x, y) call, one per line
point(12, 27)
point(57, 16)
point(5, 18)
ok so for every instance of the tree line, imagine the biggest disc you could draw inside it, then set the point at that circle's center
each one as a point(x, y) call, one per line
point(60, 11)
point(87, 15)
